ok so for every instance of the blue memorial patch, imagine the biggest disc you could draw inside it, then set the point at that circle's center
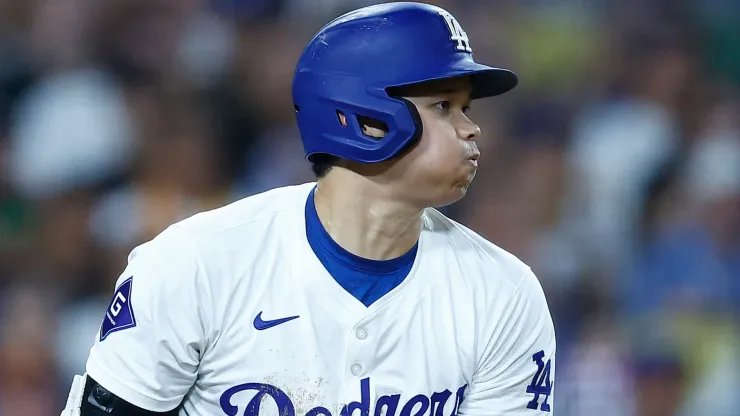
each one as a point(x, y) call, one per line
point(120, 313)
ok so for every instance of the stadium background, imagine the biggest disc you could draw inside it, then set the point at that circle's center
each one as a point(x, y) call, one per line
point(614, 170)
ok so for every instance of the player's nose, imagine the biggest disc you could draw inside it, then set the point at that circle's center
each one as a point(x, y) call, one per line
point(467, 130)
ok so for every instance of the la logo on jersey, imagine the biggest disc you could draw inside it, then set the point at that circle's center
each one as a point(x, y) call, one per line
point(541, 383)
point(457, 34)
point(120, 314)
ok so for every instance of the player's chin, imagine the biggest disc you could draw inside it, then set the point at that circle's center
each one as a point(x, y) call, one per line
point(456, 190)
point(465, 183)
point(466, 177)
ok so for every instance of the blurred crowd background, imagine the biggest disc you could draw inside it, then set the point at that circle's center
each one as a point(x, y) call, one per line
point(613, 169)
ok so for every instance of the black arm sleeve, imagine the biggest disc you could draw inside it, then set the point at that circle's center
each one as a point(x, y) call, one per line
point(98, 401)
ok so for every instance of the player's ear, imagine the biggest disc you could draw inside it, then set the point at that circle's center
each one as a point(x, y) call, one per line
point(370, 126)
point(373, 128)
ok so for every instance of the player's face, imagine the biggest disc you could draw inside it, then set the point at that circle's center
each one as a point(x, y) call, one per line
point(439, 169)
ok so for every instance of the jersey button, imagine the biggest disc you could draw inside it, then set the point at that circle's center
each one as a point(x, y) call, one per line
point(361, 334)
point(356, 369)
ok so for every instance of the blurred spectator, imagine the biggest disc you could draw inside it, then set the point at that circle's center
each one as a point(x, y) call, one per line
point(159, 194)
point(70, 130)
point(27, 370)
point(619, 144)
point(695, 263)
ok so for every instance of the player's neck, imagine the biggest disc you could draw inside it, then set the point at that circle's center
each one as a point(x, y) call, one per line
point(367, 220)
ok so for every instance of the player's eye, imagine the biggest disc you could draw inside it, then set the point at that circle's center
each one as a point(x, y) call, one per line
point(444, 106)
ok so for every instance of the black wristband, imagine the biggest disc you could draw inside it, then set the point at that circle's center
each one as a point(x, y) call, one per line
point(99, 401)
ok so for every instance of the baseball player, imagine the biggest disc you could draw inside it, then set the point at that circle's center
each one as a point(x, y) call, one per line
point(351, 296)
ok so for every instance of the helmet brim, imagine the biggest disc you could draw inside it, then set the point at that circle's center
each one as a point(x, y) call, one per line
point(486, 81)
point(489, 82)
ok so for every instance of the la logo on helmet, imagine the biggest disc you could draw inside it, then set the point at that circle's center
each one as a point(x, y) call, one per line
point(457, 34)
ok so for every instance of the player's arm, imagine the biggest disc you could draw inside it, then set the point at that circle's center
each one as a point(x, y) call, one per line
point(516, 371)
point(152, 335)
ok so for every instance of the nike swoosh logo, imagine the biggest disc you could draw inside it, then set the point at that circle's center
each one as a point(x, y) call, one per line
point(261, 325)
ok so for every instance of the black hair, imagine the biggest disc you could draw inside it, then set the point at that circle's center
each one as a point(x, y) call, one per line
point(322, 163)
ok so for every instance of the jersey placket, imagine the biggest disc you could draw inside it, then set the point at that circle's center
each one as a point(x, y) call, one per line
point(359, 367)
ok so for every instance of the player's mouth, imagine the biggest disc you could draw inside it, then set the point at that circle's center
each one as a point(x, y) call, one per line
point(473, 159)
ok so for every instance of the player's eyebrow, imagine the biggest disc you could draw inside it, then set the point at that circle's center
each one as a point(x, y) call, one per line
point(446, 92)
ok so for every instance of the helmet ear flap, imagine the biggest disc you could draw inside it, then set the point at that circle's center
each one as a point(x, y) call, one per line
point(334, 109)
point(416, 120)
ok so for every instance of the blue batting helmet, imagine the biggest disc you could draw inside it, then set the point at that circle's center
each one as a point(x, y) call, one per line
point(352, 62)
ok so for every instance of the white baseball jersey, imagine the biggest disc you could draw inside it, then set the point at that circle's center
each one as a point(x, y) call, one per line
point(230, 313)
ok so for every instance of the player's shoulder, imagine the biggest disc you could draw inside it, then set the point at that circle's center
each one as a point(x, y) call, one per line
point(247, 213)
point(206, 237)
point(485, 263)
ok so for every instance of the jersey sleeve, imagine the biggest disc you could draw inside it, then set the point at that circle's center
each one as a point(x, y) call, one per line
point(152, 334)
point(516, 371)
